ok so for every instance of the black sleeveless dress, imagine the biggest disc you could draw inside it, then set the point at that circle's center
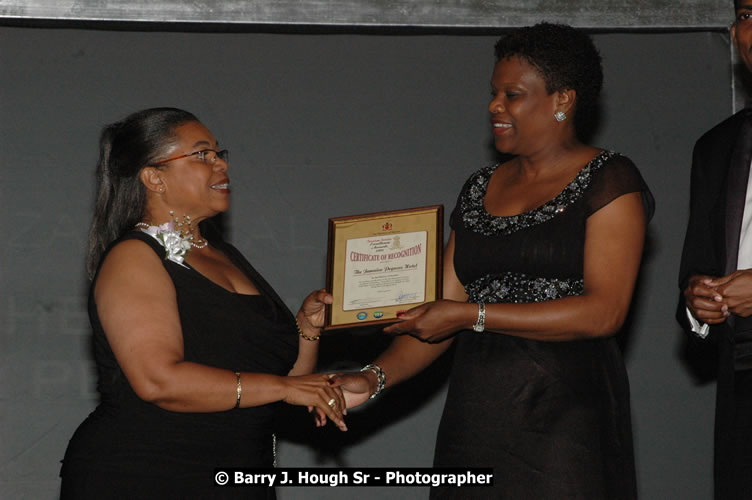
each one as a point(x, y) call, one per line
point(128, 448)
point(551, 418)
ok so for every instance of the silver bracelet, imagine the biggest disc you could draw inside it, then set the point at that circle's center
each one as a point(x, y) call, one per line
point(379, 376)
point(480, 324)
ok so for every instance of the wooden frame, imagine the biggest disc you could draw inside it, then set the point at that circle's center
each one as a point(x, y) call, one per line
point(381, 263)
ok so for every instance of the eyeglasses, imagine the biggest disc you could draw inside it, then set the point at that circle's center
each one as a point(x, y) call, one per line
point(208, 156)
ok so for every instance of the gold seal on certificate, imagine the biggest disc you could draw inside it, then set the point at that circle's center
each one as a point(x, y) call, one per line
point(381, 263)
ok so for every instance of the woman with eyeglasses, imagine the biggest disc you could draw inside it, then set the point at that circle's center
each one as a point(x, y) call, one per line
point(194, 350)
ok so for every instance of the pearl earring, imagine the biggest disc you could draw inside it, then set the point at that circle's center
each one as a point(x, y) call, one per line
point(560, 116)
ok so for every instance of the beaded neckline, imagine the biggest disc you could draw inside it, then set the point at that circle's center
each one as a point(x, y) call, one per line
point(477, 219)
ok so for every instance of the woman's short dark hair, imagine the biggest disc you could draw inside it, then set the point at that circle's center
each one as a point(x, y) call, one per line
point(125, 147)
point(565, 57)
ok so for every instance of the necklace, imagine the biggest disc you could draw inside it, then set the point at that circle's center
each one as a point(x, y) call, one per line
point(198, 245)
point(187, 232)
point(186, 239)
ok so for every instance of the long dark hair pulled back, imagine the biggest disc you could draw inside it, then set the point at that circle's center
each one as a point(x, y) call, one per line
point(126, 147)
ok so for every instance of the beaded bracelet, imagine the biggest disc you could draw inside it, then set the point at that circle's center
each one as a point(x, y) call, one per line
point(303, 335)
point(380, 376)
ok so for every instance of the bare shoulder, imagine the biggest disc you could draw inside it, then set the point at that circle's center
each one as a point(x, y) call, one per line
point(129, 254)
point(131, 264)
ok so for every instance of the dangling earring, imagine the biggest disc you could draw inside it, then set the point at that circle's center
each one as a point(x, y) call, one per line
point(185, 228)
point(560, 116)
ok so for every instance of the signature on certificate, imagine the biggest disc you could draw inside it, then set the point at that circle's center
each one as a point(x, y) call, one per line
point(406, 297)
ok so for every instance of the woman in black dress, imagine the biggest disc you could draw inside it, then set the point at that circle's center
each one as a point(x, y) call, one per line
point(193, 348)
point(539, 272)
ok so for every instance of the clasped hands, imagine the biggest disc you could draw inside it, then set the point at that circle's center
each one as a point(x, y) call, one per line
point(431, 322)
point(319, 392)
point(712, 299)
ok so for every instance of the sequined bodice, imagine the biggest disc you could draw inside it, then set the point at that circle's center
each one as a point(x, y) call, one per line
point(476, 217)
point(537, 255)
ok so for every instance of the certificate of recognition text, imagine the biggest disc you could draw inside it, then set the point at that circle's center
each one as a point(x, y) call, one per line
point(385, 270)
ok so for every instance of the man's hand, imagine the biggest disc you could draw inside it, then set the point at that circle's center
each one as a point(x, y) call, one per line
point(736, 292)
point(706, 303)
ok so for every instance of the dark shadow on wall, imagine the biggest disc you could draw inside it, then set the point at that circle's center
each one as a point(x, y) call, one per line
point(699, 358)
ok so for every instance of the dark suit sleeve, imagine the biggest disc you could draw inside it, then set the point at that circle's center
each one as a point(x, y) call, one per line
point(698, 253)
point(703, 251)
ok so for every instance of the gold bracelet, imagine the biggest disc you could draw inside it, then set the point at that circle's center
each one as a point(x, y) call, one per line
point(306, 337)
point(239, 389)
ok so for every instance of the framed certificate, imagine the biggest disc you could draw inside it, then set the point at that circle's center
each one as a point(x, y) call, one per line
point(381, 263)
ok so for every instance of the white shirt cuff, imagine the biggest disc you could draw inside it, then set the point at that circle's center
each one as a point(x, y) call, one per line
point(700, 329)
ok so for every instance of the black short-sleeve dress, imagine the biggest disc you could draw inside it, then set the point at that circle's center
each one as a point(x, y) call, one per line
point(128, 448)
point(551, 418)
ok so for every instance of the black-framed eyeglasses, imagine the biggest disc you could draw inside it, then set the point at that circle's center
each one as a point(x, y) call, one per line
point(205, 155)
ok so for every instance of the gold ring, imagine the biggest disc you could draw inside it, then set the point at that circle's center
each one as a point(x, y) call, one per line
point(332, 403)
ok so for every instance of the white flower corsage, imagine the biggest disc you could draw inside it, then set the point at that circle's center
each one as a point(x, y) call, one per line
point(174, 243)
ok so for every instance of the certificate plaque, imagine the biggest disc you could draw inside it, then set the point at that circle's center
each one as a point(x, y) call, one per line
point(381, 263)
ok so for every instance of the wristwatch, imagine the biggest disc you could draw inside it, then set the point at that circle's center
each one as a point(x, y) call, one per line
point(480, 325)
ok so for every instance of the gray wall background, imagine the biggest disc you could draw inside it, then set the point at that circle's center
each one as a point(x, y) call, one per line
point(323, 125)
